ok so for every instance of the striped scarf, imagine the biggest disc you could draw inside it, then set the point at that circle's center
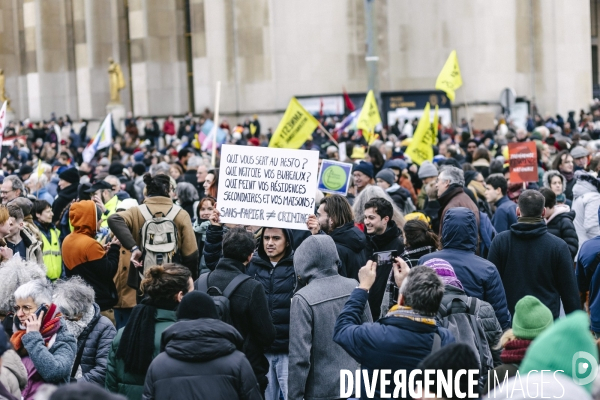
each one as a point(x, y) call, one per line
point(408, 312)
point(50, 326)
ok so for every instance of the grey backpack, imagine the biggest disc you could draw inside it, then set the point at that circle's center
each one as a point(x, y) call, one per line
point(460, 318)
point(159, 237)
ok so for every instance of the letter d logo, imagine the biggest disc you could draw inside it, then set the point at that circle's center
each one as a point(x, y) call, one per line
point(580, 368)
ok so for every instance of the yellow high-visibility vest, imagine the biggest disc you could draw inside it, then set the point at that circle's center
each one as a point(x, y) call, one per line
point(51, 255)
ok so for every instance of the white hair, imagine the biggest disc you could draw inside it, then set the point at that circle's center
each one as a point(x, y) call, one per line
point(14, 273)
point(160, 168)
point(452, 175)
point(73, 297)
point(39, 290)
point(194, 162)
point(34, 180)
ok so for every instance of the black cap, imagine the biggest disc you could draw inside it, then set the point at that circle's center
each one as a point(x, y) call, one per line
point(25, 169)
point(195, 305)
point(139, 169)
point(116, 168)
point(100, 185)
point(70, 175)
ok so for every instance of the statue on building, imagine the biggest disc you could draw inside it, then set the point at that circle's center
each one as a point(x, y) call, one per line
point(116, 81)
point(3, 96)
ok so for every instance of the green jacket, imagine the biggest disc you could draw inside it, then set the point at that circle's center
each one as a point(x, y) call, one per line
point(129, 384)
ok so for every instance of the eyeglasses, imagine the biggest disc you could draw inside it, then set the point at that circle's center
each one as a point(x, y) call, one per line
point(6, 192)
point(26, 309)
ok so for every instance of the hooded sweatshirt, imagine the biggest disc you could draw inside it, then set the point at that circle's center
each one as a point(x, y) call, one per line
point(351, 246)
point(314, 359)
point(201, 359)
point(85, 257)
point(586, 201)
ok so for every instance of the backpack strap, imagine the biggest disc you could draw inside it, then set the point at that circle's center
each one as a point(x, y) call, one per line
point(437, 342)
point(233, 285)
point(145, 211)
point(201, 283)
point(173, 212)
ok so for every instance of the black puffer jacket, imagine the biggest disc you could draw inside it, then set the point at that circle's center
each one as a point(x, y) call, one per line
point(351, 244)
point(201, 360)
point(96, 340)
point(279, 282)
point(561, 225)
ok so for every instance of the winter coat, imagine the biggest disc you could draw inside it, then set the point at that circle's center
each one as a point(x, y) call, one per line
point(130, 384)
point(586, 201)
point(13, 375)
point(33, 247)
point(212, 251)
point(586, 281)
point(52, 363)
point(351, 244)
point(65, 197)
point(189, 176)
point(201, 359)
point(95, 341)
point(401, 197)
point(85, 257)
point(383, 344)
point(127, 296)
point(389, 240)
point(505, 215)
point(314, 359)
point(478, 276)
point(533, 262)
point(560, 224)
point(249, 313)
point(279, 282)
point(453, 197)
point(489, 322)
point(127, 225)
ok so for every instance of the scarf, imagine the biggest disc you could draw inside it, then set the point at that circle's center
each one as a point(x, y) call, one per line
point(514, 351)
point(409, 313)
point(50, 326)
point(136, 348)
point(75, 328)
point(529, 220)
point(390, 296)
point(568, 175)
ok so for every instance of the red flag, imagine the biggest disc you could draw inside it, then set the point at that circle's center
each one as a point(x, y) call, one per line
point(349, 105)
point(321, 108)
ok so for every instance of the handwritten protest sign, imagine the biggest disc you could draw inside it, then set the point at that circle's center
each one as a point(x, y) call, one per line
point(522, 159)
point(334, 177)
point(267, 186)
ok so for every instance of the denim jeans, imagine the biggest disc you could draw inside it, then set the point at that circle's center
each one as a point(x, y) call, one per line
point(122, 316)
point(277, 375)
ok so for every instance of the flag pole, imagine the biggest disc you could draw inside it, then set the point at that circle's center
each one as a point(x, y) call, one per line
point(327, 132)
point(216, 122)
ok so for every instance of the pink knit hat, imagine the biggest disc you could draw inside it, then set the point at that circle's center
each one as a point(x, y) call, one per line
point(444, 271)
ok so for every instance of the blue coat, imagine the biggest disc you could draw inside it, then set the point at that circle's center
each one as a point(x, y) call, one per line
point(478, 276)
point(505, 215)
point(279, 282)
point(586, 281)
point(96, 340)
point(390, 343)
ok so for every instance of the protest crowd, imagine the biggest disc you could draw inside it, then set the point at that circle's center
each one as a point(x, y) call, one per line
point(119, 279)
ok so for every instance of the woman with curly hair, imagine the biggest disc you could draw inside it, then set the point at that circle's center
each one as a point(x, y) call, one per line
point(136, 345)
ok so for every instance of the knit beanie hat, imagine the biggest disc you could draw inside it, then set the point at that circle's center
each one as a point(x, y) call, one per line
point(531, 318)
point(195, 305)
point(566, 345)
point(70, 175)
point(445, 271)
point(396, 163)
point(427, 170)
point(139, 169)
point(364, 167)
point(83, 390)
point(387, 175)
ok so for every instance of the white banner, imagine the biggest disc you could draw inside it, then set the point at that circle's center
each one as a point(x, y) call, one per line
point(264, 186)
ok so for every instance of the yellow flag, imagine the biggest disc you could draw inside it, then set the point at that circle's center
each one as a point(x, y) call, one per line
point(369, 118)
point(296, 127)
point(40, 170)
point(449, 79)
point(420, 148)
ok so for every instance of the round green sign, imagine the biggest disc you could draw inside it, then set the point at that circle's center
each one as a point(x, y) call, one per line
point(334, 177)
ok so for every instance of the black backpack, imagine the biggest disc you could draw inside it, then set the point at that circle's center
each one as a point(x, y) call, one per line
point(221, 299)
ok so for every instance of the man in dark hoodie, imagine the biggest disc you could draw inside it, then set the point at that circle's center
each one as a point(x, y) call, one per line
point(273, 266)
point(532, 261)
point(68, 183)
point(335, 218)
point(478, 276)
point(249, 310)
point(382, 235)
point(200, 357)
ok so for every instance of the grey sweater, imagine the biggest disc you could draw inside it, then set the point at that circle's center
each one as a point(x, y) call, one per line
point(314, 359)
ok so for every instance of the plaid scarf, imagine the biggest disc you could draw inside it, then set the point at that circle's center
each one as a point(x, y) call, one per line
point(50, 326)
point(407, 312)
point(390, 296)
